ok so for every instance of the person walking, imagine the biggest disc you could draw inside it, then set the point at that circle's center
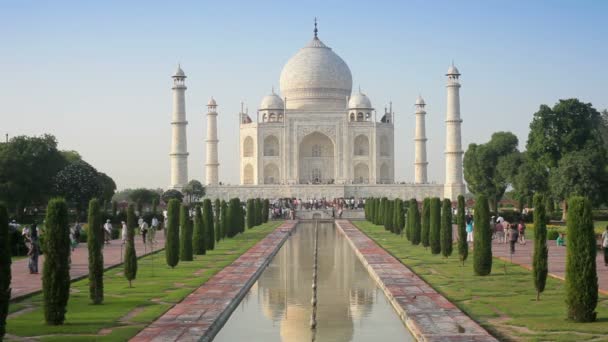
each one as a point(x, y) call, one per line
point(33, 249)
point(144, 230)
point(521, 229)
point(469, 228)
point(155, 224)
point(514, 236)
point(124, 232)
point(107, 227)
point(605, 246)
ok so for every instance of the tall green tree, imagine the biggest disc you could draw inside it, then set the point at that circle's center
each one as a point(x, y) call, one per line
point(388, 216)
point(463, 245)
point(416, 232)
point(435, 225)
point(144, 196)
point(94, 245)
point(199, 245)
point(570, 127)
point(172, 194)
point(194, 191)
point(258, 211)
point(581, 273)
point(78, 183)
point(172, 238)
point(130, 254)
point(426, 222)
point(185, 234)
point(482, 166)
point(224, 220)
point(232, 221)
point(56, 270)
point(209, 228)
point(266, 210)
point(446, 228)
point(482, 238)
point(540, 266)
point(381, 209)
point(5, 269)
point(217, 220)
point(250, 213)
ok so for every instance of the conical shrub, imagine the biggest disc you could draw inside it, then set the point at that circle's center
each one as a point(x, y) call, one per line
point(130, 265)
point(482, 238)
point(185, 234)
point(463, 246)
point(540, 266)
point(435, 226)
point(446, 228)
point(172, 239)
point(94, 245)
point(426, 222)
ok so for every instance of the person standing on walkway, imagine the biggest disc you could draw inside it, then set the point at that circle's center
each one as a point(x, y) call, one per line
point(33, 249)
point(605, 246)
point(144, 230)
point(469, 228)
point(155, 225)
point(514, 236)
point(124, 232)
point(521, 229)
point(107, 227)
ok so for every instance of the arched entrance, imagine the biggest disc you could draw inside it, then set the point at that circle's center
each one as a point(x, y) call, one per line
point(316, 159)
point(361, 174)
point(271, 174)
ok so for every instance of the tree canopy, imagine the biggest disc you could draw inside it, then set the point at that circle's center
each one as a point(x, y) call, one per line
point(143, 196)
point(172, 194)
point(78, 183)
point(193, 191)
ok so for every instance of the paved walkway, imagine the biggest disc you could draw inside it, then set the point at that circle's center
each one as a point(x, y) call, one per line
point(557, 260)
point(203, 313)
point(24, 283)
point(428, 315)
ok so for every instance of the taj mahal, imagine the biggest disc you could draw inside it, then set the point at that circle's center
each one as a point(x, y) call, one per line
point(317, 138)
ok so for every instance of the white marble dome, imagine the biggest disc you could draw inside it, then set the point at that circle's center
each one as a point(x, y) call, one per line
point(316, 77)
point(272, 101)
point(359, 100)
point(452, 70)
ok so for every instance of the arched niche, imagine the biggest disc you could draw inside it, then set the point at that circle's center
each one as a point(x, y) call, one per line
point(248, 174)
point(271, 146)
point(361, 145)
point(316, 159)
point(248, 147)
point(361, 172)
point(271, 174)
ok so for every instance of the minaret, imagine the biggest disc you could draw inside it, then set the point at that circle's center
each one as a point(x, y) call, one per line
point(212, 164)
point(420, 163)
point(179, 147)
point(454, 183)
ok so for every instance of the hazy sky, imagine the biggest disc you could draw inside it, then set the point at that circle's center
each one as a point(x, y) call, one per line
point(96, 74)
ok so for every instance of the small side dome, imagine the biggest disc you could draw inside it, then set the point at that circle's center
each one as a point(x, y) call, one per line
point(359, 100)
point(179, 72)
point(452, 71)
point(272, 101)
point(212, 103)
point(420, 101)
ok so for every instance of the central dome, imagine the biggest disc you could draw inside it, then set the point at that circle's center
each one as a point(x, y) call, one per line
point(316, 78)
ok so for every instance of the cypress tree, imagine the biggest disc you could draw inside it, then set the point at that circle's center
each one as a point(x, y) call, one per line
point(198, 240)
point(94, 244)
point(258, 211)
point(241, 216)
point(5, 268)
point(540, 266)
point(208, 221)
point(371, 203)
point(482, 237)
point(416, 229)
point(266, 210)
point(172, 238)
point(56, 270)
point(463, 246)
point(232, 222)
point(409, 222)
point(130, 255)
point(217, 220)
point(396, 213)
point(388, 216)
point(581, 273)
point(379, 218)
point(446, 228)
point(185, 234)
point(435, 225)
point(154, 206)
point(426, 222)
point(224, 220)
point(250, 213)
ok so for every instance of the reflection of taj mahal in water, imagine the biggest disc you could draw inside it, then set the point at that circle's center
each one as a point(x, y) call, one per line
point(319, 139)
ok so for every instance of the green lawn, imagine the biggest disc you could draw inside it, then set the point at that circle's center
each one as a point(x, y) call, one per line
point(503, 302)
point(128, 310)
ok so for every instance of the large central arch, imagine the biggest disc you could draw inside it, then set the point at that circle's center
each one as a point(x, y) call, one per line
point(316, 159)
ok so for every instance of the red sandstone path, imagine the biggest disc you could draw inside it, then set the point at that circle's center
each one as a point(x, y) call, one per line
point(557, 260)
point(24, 283)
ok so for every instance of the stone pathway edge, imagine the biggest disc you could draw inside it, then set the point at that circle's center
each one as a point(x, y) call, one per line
point(417, 323)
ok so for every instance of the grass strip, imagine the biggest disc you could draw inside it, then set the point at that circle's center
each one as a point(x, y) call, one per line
point(503, 302)
point(125, 310)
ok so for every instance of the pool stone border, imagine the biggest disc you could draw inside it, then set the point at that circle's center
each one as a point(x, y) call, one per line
point(203, 313)
point(427, 314)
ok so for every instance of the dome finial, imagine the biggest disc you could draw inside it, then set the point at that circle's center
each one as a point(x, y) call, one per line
point(316, 30)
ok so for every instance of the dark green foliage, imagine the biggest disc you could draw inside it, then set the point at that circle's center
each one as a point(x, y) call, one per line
point(581, 273)
point(482, 237)
point(463, 246)
point(426, 222)
point(78, 183)
point(114, 208)
point(446, 228)
point(258, 212)
point(250, 213)
point(5, 269)
point(154, 206)
point(540, 262)
point(56, 269)
point(414, 213)
point(266, 210)
point(224, 220)
point(388, 216)
point(208, 221)
point(130, 255)
point(172, 238)
point(401, 217)
point(185, 234)
point(397, 210)
point(94, 244)
point(233, 220)
point(194, 191)
point(435, 225)
point(380, 213)
point(198, 240)
point(172, 194)
point(217, 223)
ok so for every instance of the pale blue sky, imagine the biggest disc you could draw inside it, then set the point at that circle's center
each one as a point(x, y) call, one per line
point(97, 74)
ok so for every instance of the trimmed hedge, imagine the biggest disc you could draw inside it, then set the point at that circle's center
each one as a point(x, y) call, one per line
point(209, 228)
point(446, 228)
point(130, 266)
point(172, 238)
point(185, 235)
point(435, 225)
point(540, 266)
point(463, 245)
point(482, 238)
point(426, 222)
point(94, 244)
point(198, 241)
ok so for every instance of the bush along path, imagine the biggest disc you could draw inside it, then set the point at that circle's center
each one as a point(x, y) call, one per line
point(125, 311)
point(504, 301)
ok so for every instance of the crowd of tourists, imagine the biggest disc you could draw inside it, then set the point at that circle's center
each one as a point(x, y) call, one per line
point(502, 231)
